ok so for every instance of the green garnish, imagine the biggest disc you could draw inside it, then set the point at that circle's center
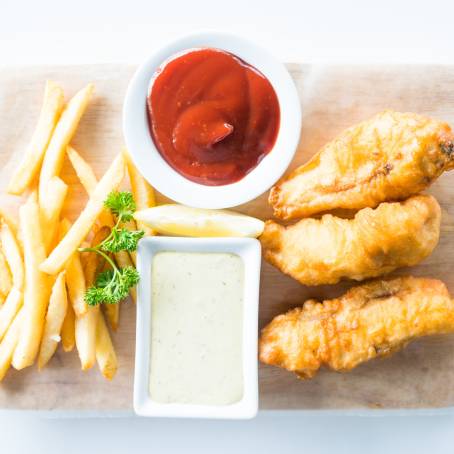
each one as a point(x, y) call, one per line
point(122, 240)
point(113, 285)
point(121, 204)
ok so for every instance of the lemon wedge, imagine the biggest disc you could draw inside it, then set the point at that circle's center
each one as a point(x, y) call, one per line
point(180, 220)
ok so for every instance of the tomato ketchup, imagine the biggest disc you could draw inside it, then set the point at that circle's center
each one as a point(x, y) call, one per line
point(212, 116)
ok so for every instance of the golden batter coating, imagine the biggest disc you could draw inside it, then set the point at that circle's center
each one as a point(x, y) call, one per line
point(390, 157)
point(373, 243)
point(369, 321)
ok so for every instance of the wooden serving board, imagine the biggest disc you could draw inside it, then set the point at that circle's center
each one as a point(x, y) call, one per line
point(333, 98)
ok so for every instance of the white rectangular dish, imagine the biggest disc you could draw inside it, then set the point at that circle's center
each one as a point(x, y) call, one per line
point(250, 253)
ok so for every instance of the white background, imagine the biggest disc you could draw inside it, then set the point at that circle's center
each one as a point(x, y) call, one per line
point(75, 31)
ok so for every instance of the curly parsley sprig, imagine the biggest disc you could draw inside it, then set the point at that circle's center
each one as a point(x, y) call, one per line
point(113, 285)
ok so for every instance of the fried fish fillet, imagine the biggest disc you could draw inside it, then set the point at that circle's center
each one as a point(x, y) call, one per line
point(371, 320)
point(373, 243)
point(389, 157)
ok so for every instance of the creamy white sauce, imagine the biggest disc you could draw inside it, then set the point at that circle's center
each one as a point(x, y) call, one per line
point(197, 328)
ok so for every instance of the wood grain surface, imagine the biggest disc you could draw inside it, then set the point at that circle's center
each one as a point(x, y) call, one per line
point(333, 98)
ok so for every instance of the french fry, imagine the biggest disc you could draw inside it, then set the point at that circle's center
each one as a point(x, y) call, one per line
point(83, 170)
point(37, 286)
point(63, 133)
point(10, 308)
point(86, 324)
point(9, 344)
point(68, 329)
point(55, 316)
point(86, 337)
point(105, 352)
point(75, 277)
point(63, 229)
point(88, 179)
point(112, 312)
point(141, 190)
point(50, 112)
point(68, 335)
point(13, 255)
point(94, 261)
point(50, 209)
point(12, 223)
point(79, 230)
point(6, 281)
point(52, 191)
point(75, 281)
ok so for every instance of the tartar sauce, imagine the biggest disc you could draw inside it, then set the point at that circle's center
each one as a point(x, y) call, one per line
point(196, 328)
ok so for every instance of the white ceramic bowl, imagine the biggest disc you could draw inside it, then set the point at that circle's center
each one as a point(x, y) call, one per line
point(250, 252)
point(169, 182)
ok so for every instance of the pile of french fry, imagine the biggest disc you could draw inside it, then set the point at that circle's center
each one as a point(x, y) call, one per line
point(43, 277)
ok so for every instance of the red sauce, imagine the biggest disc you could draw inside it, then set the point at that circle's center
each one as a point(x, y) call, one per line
point(212, 116)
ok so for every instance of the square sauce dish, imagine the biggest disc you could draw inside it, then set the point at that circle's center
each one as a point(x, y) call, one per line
point(197, 327)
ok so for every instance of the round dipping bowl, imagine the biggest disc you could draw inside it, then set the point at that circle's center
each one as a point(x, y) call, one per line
point(168, 181)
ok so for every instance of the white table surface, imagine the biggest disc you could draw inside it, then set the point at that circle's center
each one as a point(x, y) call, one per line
point(78, 31)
